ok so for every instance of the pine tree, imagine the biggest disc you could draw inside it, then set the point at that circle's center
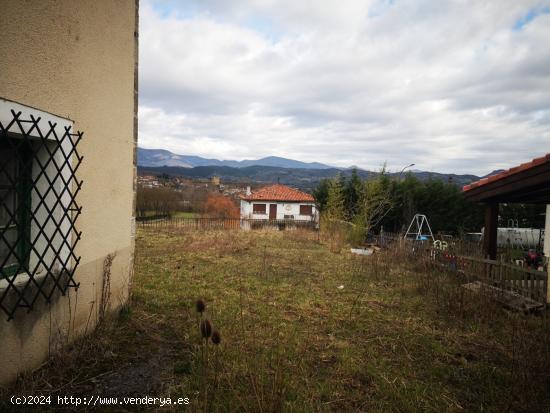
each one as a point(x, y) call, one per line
point(320, 193)
point(352, 192)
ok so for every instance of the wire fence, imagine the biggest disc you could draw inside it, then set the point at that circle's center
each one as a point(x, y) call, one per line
point(202, 223)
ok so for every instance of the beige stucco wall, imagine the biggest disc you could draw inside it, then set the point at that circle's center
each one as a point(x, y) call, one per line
point(77, 59)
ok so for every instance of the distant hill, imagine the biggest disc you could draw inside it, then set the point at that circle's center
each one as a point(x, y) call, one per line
point(302, 178)
point(460, 180)
point(161, 157)
point(496, 171)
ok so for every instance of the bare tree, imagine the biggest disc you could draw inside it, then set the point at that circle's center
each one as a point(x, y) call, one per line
point(162, 200)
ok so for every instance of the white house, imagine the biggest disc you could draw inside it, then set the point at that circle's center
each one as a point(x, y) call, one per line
point(278, 202)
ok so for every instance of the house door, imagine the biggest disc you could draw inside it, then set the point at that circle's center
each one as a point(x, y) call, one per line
point(272, 211)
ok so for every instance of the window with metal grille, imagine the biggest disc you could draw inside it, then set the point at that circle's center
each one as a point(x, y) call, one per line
point(38, 209)
point(15, 212)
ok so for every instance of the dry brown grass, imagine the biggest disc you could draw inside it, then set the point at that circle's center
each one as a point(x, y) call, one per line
point(400, 335)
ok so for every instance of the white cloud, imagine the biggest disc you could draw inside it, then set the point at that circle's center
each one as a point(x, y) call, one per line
point(450, 86)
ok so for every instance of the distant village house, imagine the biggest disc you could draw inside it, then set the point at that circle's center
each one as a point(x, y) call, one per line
point(278, 202)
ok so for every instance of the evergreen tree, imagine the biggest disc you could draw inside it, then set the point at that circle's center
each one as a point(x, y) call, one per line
point(335, 206)
point(444, 204)
point(352, 191)
point(320, 193)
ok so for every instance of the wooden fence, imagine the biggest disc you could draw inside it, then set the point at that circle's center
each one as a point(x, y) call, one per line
point(466, 257)
point(225, 223)
point(526, 282)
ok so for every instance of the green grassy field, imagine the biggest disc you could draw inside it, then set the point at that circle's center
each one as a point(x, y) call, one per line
point(177, 214)
point(180, 214)
point(306, 329)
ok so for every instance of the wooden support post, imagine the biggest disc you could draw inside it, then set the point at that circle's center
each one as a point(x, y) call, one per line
point(490, 233)
point(547, 250)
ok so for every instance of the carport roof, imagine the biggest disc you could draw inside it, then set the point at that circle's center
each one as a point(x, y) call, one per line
point(525, 183)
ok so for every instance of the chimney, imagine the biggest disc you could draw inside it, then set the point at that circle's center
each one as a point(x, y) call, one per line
point(248, 192)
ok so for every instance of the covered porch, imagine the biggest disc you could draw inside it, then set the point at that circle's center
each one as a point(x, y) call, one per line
point(528, 183)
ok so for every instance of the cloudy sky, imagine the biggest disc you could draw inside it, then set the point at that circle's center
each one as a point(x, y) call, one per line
point(452, 86)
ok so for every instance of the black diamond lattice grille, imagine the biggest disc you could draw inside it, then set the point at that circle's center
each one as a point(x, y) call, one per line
point(38, 211)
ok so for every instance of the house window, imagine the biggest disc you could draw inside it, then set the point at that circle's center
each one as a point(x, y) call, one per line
point(15, 198)
point(38, 208)
point(259, 209)
point(306, 210)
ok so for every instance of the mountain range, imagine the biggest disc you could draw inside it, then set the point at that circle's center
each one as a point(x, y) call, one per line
point(161, 157)
point(298, 174)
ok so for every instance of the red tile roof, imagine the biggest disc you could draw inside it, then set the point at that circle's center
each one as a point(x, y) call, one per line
point(278, 193)
point(511, 171)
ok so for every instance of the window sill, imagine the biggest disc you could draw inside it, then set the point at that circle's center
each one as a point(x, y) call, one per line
point(21, 280)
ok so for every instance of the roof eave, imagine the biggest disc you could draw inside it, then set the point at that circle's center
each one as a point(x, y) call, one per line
point(529, 185)
point(278, 200)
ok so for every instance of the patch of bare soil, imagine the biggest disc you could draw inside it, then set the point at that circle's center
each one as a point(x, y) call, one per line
point(133, 380)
